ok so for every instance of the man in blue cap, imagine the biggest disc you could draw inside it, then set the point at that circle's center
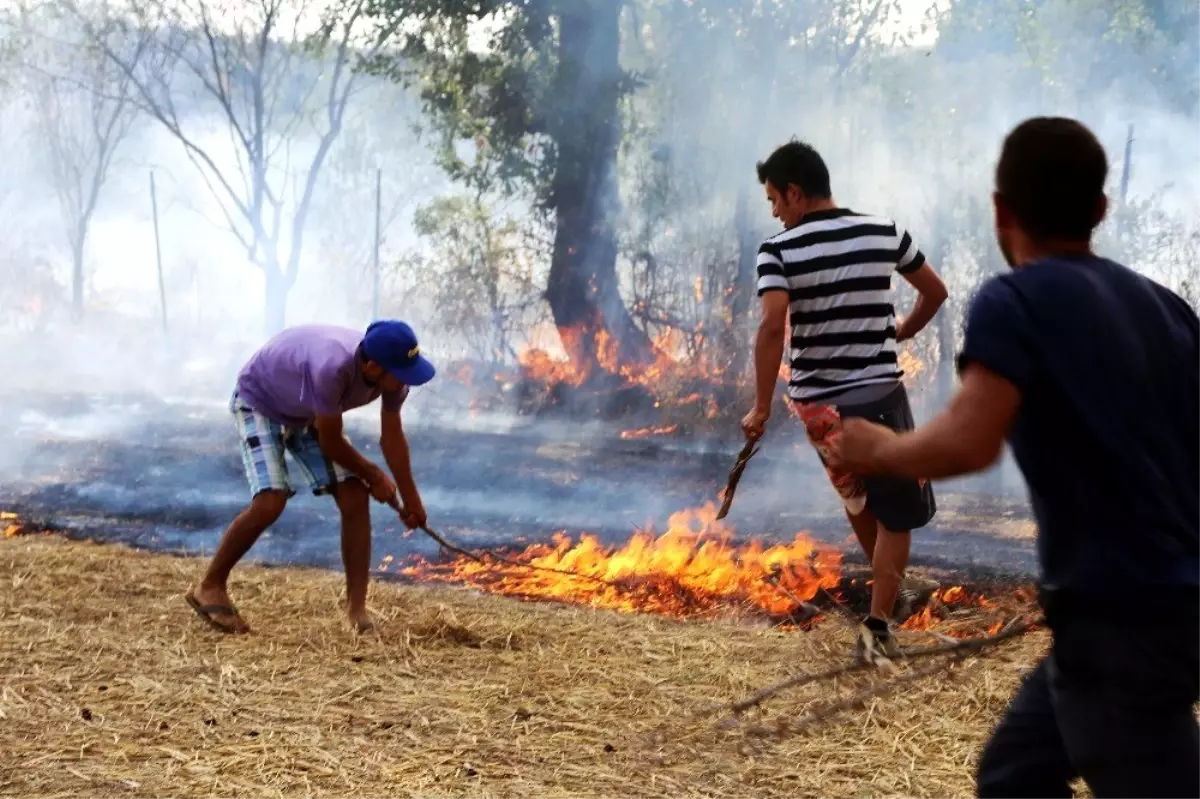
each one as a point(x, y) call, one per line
point(291, 396)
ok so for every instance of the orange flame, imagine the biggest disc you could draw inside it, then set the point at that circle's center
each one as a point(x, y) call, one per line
point(911, 365)
point(538, 364)
point(674, 361)
point(693, 569)
point(646, 432)
point(14, 527)
point(948, 602)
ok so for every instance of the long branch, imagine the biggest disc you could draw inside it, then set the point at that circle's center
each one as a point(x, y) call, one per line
point(966, 646)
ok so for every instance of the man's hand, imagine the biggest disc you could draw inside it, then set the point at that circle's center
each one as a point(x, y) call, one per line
point(383, 489)
point(413, 515)
point(754, 424)
point(858, 446)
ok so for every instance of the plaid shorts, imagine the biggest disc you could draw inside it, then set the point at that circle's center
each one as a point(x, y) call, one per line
point(263, 443)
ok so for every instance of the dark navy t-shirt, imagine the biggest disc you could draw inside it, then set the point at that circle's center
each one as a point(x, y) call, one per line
point(1108, 432)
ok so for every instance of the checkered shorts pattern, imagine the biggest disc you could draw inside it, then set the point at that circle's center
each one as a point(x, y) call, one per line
point(263, 442)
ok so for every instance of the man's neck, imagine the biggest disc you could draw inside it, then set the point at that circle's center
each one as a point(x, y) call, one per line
point(826, 204)
point(1052, 248)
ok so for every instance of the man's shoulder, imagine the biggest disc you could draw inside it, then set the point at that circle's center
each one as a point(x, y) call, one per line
point(809, 230)
point(317, 346)
point(317, 337)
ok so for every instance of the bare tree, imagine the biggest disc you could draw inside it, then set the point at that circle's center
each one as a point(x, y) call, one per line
point(378, 150)
point(82, 111)
point(279, 77)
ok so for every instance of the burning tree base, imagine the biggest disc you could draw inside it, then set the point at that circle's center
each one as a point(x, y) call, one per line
point(605, 397)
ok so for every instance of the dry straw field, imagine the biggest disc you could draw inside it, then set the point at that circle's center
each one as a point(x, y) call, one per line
point(113, 687)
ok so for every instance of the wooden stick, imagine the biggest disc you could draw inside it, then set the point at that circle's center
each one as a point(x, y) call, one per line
point(966, 646)
point(735, 476)
point(850, 620)
point(855, 702)
point(395, 505)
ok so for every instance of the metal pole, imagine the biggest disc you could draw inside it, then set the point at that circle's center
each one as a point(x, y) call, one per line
point(378, 234)
point(162, 287)
point(1126, 168)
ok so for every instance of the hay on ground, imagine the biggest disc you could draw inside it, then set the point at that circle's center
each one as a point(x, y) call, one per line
point(112, 686)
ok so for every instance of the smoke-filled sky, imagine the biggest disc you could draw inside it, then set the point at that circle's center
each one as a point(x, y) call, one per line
point(910, 130)
point(905, 165)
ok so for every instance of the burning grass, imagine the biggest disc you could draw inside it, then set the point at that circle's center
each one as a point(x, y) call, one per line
point(696, 569)
point(112, 687)
point(693, 569)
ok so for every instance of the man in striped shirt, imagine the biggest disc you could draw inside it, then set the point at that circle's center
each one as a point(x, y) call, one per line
point(830, 273)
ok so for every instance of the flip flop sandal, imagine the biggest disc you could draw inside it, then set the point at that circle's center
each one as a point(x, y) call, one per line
point(207, 612)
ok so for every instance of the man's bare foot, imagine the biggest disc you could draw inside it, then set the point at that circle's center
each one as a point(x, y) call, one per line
point(361, 621)
point(214, 606)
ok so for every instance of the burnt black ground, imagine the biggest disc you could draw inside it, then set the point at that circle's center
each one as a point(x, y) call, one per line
point(167, 476)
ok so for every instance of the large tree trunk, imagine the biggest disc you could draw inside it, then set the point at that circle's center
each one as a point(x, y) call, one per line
point(596, 328)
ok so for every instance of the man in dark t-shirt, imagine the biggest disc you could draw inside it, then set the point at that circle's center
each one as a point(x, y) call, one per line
point(1092, 373)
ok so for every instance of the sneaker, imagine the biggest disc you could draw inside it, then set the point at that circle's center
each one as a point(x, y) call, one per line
point(874, 640)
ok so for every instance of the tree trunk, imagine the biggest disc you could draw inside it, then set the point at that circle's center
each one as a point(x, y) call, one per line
point(738, 333)
point(77, 278)
point(275, 306)
point(597, 330)
point(746, 277)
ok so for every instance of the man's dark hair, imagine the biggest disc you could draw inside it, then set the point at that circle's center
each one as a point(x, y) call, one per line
point(796, 163)
point(1051, 175)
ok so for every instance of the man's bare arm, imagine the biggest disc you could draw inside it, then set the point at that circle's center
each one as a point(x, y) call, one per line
point(931, 293)
point(966, 437)
point(394, 446)
point(334, 444)
point(768, 348)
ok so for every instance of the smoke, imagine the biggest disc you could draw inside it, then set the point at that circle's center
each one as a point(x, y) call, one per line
point(121, 423)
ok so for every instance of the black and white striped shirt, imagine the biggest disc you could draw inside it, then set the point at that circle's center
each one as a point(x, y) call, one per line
point(836, 266)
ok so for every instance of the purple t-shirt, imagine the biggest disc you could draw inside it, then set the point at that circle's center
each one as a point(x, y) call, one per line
point(308, 371)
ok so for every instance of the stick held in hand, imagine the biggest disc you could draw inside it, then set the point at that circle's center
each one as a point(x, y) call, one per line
point(735, 475)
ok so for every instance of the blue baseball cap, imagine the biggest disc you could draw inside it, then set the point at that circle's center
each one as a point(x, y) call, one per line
point(393, 345)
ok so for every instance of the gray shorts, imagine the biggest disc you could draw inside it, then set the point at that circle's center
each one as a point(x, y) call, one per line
point(898, 503)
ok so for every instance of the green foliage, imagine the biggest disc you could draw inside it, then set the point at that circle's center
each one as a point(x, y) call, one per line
point(478, 269)
point(503, 93)
point(1085, 45)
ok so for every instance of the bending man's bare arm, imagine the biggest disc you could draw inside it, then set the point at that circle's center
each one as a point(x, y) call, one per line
point(394, 446)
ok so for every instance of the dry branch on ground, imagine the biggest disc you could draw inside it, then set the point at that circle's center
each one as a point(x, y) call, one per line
point(113, 687)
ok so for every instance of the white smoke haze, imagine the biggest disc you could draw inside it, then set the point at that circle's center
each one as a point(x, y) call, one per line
point(907, 101)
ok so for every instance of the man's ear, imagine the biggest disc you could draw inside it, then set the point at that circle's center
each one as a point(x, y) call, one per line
point(1101, 209)
point(794, 194)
